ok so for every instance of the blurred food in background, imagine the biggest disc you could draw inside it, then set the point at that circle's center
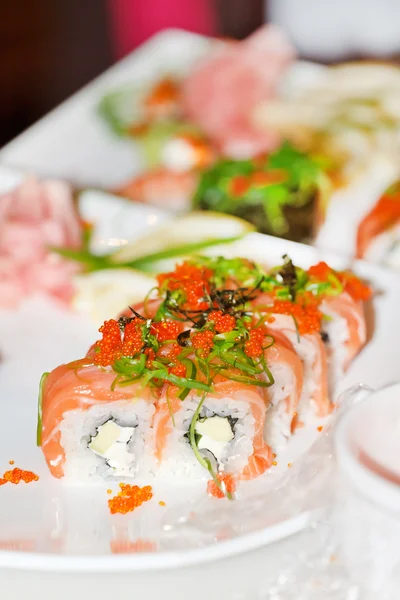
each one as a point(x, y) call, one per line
point(297, 149)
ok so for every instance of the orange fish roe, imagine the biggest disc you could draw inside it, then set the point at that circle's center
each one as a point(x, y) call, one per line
point(165, 330)
point(222, 323)
point(355, 287)
point(127, 547)
point(165, 91)
point(150, 356)
point(350, 282)
point(192, 280)
point(228, 483)
point(307, 316)
point(174, 350)
point(133, 338)
point(253, 347)
point(321, 271)
point(17, 475)
point(179, 370)
point(161, 503)
point(320, 428)
point(204, 341)
point(109, 491)
point(11, 462)
point(289, 465)
point(129, 498)
point(3, 481)
point(274, 463)
point(109, 348)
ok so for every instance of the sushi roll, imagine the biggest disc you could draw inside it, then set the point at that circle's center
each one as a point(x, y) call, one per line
point(88, 430)
point(284, 396)
point(378, 235)
point(344, 333)
point(222, 430)
point(343, 324)
point(307, 345)
point(207, 378)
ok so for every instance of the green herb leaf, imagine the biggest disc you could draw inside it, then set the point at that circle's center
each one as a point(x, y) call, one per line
point(39, 409)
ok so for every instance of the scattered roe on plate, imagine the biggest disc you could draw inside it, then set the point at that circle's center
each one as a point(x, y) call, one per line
point(17, 475)
point(129, 498)
point(128, 547)
point(227, 482)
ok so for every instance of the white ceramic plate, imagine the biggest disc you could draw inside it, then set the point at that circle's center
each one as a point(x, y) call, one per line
point(50, 526)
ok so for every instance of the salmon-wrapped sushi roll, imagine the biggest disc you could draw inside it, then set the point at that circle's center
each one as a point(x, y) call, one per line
point(343, 323)
point(378, 234)
point(224, 427)
point(91, 430)
point(300, 328)
point(286, 392)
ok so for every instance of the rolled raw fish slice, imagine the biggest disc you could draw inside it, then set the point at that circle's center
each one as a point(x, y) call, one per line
point(378, 235)
point(312, 353)
point(89, 430)
point(344, 333)
point(286, 392)
point(228, 432)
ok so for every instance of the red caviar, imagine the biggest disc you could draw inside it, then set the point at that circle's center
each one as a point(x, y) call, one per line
point(165, 330)
point(307, 315)
point(133, 338)
point(192, 280)
point(321, 271)
point(350, 282)
point(150, 357)
point(355, 287)
point(204, 341)
point(17, 475)
point(178, 369)
point(174, 351)
point(228, 484)
point(254, 346)
point(128, 547)
point(223, 323)
point(109, 348)
point(129, 498)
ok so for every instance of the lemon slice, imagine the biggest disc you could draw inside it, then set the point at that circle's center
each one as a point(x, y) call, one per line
point(104, 294)
point(192, 228)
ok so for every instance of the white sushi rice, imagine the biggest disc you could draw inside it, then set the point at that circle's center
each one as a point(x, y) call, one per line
point(278, 420)
point(79, 427)
point(337, 330)
point(305, 347)
point(179, 459)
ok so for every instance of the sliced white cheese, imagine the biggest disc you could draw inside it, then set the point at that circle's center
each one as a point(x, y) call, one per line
point(216, 433)
point(111, 443)
point(217, 428)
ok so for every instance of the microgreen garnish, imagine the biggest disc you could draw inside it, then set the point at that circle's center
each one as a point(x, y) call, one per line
point(203, 460)
point(39, 409)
